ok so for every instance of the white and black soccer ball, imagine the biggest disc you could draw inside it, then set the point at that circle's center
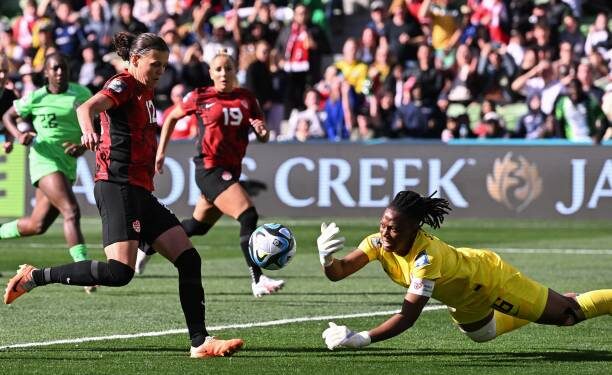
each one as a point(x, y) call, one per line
point(272, 246)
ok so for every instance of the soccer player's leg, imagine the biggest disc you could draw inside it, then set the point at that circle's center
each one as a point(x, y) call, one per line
point(120, 206)
point(205, 215)
point(493, 324)
point(58, 191)
point(171, 241)
point(43, 215)
point(570, 309)
point(595, 303)
point(143, 256)
point(235, 202)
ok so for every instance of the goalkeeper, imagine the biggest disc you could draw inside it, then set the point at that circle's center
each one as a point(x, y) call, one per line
point(486, 296)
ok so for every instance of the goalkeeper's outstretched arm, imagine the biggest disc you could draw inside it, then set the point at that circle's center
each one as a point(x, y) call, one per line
point(342, 336)
point(411, 309)
point(338, 269)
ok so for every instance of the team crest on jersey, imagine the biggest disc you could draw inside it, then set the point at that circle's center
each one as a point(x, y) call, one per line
point(226, 176)
point(421, 260)
point(376, 242)
point(117, 85)
point(136, 226)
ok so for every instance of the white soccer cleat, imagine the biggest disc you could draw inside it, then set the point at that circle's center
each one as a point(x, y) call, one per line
point(266, 286)
point(141, 262)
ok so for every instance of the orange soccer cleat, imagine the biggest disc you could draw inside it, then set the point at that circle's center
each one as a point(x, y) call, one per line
point(214, 347)
point(19, 284)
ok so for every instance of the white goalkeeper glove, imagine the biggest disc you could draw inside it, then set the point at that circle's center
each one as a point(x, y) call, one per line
point(328, 243)
point(336, 336)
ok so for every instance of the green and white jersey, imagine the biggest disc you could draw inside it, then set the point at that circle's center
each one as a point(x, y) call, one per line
point(54, 115)
point(55, 121)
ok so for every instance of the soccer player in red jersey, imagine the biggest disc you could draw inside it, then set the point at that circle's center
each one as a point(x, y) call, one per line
point(125, 166)
point(228, 113)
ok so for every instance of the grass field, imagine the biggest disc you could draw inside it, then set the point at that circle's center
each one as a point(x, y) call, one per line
point(563, 255)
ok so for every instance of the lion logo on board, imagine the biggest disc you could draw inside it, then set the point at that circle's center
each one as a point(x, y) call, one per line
point(515, 184)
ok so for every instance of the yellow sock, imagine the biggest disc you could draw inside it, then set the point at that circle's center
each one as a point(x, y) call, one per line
point(596, 303)
point(506, 323)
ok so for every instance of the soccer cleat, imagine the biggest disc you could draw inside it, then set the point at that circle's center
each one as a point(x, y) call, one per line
point(19, 284)
point(142, 259)
point(214, 347)
point(266, 286)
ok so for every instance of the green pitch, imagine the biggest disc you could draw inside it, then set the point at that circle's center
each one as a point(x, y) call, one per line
point(563, 255)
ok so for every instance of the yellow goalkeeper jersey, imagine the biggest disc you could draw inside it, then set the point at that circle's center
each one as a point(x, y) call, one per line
point(463, 277)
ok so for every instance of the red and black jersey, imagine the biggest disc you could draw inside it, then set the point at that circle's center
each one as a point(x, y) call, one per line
point(126, 153)
point(224, 132)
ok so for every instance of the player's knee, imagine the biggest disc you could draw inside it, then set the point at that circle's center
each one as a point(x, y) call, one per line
point(483, 334)
point(189, 265)
point(71, 213)
point(119, 274)
point(39, 227)
point(194, 227)
point(248, 221)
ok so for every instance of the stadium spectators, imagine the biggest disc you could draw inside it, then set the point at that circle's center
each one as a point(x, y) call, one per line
point(579, 115)
point(501, 50)
point(7, 96)
point(532, 124)
point(308, 123)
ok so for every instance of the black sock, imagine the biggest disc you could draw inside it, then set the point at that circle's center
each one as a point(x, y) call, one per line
point(191, 294)
point(248, 223)
point(193, 227)
point(86, 273)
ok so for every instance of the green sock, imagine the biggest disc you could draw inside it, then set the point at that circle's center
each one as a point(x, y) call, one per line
point(9, 230)
point(78, 252)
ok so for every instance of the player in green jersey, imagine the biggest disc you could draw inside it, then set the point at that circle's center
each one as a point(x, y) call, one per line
point(54, 149)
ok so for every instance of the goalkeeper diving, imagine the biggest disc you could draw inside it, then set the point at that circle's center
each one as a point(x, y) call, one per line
point(485, 295)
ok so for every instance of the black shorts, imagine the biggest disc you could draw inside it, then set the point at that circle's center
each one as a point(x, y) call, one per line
point(131, 213)
point(213, 181)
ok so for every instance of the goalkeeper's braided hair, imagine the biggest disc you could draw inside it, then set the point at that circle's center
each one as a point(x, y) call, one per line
point(428, 210)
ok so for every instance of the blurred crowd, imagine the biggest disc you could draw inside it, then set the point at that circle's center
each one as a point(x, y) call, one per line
point(435, 69)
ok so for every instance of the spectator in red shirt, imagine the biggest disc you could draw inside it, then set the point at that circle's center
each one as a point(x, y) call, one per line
point(187, 127)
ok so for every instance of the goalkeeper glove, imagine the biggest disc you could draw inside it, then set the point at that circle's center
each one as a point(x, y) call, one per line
point(328, 243)
point(342, 336)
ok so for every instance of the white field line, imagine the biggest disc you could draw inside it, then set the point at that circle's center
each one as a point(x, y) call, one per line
point(40, 245)
point(217, 328)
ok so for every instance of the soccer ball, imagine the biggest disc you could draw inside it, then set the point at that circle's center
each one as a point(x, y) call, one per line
point(272, 246)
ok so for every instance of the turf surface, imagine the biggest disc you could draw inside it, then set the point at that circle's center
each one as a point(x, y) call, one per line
point(551, 252)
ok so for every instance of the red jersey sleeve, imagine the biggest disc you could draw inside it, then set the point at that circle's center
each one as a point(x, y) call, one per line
point(189, 103)
point(255, 108)
point(119, 89)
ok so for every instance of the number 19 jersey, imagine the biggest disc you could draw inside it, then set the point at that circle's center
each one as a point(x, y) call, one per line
point(224, 126)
